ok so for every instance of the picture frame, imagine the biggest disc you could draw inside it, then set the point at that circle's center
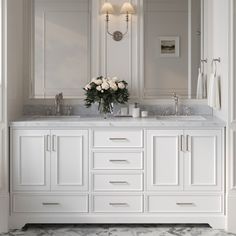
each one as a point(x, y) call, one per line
point(169, 46)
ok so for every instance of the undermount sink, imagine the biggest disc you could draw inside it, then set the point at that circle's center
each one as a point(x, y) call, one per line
point(181, 118)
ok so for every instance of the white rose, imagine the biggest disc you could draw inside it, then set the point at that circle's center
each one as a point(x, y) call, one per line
point(113, 86)
point(105, 86)
point(98, 82)
point(121, 85)
point(115, 79)
point(93, 80)
point(87, 87)
point(99, 88)
point(104, 80)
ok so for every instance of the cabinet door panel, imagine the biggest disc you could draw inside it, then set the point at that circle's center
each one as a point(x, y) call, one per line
point(203, 164)
point(30, 160)
point(69, 160)
point(164, 160)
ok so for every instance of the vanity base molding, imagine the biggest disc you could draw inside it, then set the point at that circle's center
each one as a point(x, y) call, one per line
point(18, 221)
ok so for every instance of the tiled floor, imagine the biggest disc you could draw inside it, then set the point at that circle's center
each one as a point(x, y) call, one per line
point(114, 230)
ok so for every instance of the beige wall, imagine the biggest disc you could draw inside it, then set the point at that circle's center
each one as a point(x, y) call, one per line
point(15, 58)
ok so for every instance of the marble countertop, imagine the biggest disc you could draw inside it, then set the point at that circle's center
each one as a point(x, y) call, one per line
point(76, 121)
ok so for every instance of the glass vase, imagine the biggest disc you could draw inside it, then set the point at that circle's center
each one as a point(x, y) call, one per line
point(105, 108)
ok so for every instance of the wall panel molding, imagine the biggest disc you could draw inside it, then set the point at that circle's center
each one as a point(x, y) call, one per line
point(121, 58)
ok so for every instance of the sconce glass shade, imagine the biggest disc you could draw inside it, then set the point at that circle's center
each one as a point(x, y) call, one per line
point(127, 8)
point(107, 8)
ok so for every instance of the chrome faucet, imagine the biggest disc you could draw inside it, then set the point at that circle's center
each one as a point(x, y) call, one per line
point(176, 101)
point(59, 103)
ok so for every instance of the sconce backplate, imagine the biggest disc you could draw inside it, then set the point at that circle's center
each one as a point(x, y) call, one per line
point(117, 36)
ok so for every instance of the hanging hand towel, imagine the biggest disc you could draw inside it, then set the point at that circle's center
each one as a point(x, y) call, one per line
point(205, 86)
point(200, 85)
point(214, 92)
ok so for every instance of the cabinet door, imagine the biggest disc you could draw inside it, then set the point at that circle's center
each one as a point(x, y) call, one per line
point(30, 151)
point(69, 160)
point(203, 160)
point(164, 160)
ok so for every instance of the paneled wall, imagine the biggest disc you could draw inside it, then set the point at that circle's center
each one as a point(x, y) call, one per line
point(61, 44)
point(119, 59)
point(231, 134)
point(15, 57)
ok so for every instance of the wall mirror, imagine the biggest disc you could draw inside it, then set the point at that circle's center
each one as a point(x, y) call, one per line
point(173, 48)
point(68, 47)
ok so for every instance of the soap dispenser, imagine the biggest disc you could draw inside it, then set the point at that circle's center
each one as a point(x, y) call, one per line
point(136, 111)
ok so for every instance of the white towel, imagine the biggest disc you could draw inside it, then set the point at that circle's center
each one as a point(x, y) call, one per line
point(205, 86)
point(214, 99)
point(200, 85)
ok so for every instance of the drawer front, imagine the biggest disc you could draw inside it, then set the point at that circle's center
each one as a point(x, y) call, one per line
point(191, 204)
point(127, 204)
point(26, 203)
point(119, 138)
point(109, 182)
point(118, 160)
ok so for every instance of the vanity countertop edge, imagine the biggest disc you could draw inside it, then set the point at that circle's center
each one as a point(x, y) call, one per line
point(34, 121)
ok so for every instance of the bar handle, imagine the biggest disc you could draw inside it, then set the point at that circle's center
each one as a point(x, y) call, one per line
point(119, 204)
point(54, 143)
point(48, 143)
point(50, 204)
point(118, 160)
point(185, 203)
point(118, 139)
point(118, 182)
point(181, 143)
point(187, 143)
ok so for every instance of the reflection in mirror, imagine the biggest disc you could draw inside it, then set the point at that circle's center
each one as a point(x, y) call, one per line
point(173, 49)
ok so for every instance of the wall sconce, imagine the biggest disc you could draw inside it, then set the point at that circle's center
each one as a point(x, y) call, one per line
point(127, 8)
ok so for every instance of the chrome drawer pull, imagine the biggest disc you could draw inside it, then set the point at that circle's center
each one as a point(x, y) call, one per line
point(122, 204)
point(118, 139)
point(185, 203)
point(187, 143)
point(118, 160)
point(181, 143)
point(54, 143)
point(48, 143)
point(118, 182)
point(50, 204)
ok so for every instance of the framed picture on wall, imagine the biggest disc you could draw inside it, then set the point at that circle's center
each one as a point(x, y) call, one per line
point(169, 46)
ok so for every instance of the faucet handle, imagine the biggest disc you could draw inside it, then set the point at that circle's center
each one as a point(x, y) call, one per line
point(60, 95)
point(175, 95)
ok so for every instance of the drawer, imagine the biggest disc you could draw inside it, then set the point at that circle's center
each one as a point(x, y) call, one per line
point(115, 182)
point(191, 204)
point(118, 160)
point(118, 138)
point(27, 203)
point(127, 204)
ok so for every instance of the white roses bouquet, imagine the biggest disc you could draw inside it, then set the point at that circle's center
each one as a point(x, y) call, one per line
point(106, 92)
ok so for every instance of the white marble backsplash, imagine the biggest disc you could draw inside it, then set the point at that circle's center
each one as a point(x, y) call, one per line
point(81, 110)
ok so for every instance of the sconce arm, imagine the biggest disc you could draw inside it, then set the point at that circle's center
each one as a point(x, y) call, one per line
point(107, 25)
